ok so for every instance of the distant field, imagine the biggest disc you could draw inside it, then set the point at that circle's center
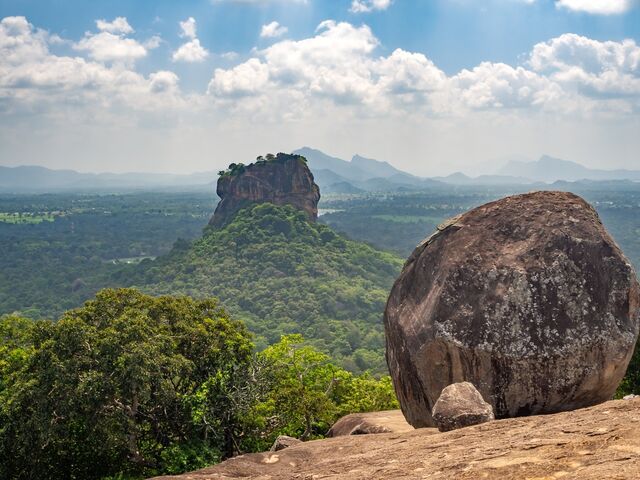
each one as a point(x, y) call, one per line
point(22, 218)
point(409, 218)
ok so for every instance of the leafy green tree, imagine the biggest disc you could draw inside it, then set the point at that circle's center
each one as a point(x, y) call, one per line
point(304, 385)
point(631, 382)
point(307, 393)
point(110, 389)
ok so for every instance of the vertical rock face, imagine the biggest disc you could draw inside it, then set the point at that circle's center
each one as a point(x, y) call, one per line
point(528, 298)
point(281, 180)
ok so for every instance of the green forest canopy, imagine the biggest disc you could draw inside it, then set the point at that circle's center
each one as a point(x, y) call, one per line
point(282, 274)
point(130, 386)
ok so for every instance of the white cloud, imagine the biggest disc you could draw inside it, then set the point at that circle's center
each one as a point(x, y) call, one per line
point(590, 67)
point(153, 42)
point(112, 45)
point(118, 25)
point(567, 75)
point(366, 6)
point(337, 84)
point(248, 78)
point(163, 81)
point(31, 75)
point(597, 7)
point(191, 51)
point(107, 47)
point(272, 30)
point(188, 28)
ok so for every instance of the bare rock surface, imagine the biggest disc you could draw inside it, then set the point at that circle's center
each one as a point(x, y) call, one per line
point(460, 405)
point(283, 180)
point(601, 442)
point(284, 441)
point(391, 421)
point(528, 298)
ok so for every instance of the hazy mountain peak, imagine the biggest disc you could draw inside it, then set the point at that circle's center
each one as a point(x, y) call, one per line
point(550, 169)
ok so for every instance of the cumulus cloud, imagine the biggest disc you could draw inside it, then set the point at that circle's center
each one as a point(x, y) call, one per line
point(107, 47)
point(118, 25)
point(112, 45)
point(188, 28)
point(31, 75)
point(191, 51)
point(366, 6)
point(272, 30)
point(590, 67)
point(338, 64)
point(163, 81)
point(597, 7)
point(336, 81)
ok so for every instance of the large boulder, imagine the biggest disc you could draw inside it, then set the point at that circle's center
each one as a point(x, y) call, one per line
point(528, 298)
point(460, 405)
point(281, 179)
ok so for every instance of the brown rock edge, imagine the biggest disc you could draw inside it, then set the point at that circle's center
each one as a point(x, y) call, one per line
point(390, 421)
point(601, 442)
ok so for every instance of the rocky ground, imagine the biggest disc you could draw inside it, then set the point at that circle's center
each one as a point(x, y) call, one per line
point(596, 443)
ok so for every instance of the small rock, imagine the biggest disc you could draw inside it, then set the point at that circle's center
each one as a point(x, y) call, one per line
point(283, 442)
point(460, 405)
point(630, 397)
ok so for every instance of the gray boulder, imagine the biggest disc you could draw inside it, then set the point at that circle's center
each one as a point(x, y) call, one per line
point(528, 298)
point(460, 405)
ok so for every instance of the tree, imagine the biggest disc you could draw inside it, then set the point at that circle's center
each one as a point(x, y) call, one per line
point(308, 393)
point(631, 382)
point(111, 389)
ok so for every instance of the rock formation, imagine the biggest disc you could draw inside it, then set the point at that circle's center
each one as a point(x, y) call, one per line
point(282, 180)
point(528, 298)
point(596, 443)
point(460, 405)
point(370, 423)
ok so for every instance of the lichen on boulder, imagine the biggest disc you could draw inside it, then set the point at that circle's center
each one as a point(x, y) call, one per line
point(528, 298)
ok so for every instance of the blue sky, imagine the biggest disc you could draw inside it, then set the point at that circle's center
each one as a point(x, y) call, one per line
point(400, 80)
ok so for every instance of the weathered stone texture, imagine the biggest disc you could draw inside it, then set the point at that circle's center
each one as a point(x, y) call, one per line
point(460, 405)
point(528, 298)
point(286, 180)
point(391, 421)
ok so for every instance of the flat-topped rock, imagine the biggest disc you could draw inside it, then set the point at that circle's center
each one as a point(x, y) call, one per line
point(281, 179)
point(528, 298)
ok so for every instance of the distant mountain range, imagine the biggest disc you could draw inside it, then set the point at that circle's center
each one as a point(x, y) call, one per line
point(332, 174)
point(41, 179)
point(335, 175)
point(548, 169)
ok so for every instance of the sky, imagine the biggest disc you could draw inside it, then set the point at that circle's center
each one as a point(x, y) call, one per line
point(432, 86)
